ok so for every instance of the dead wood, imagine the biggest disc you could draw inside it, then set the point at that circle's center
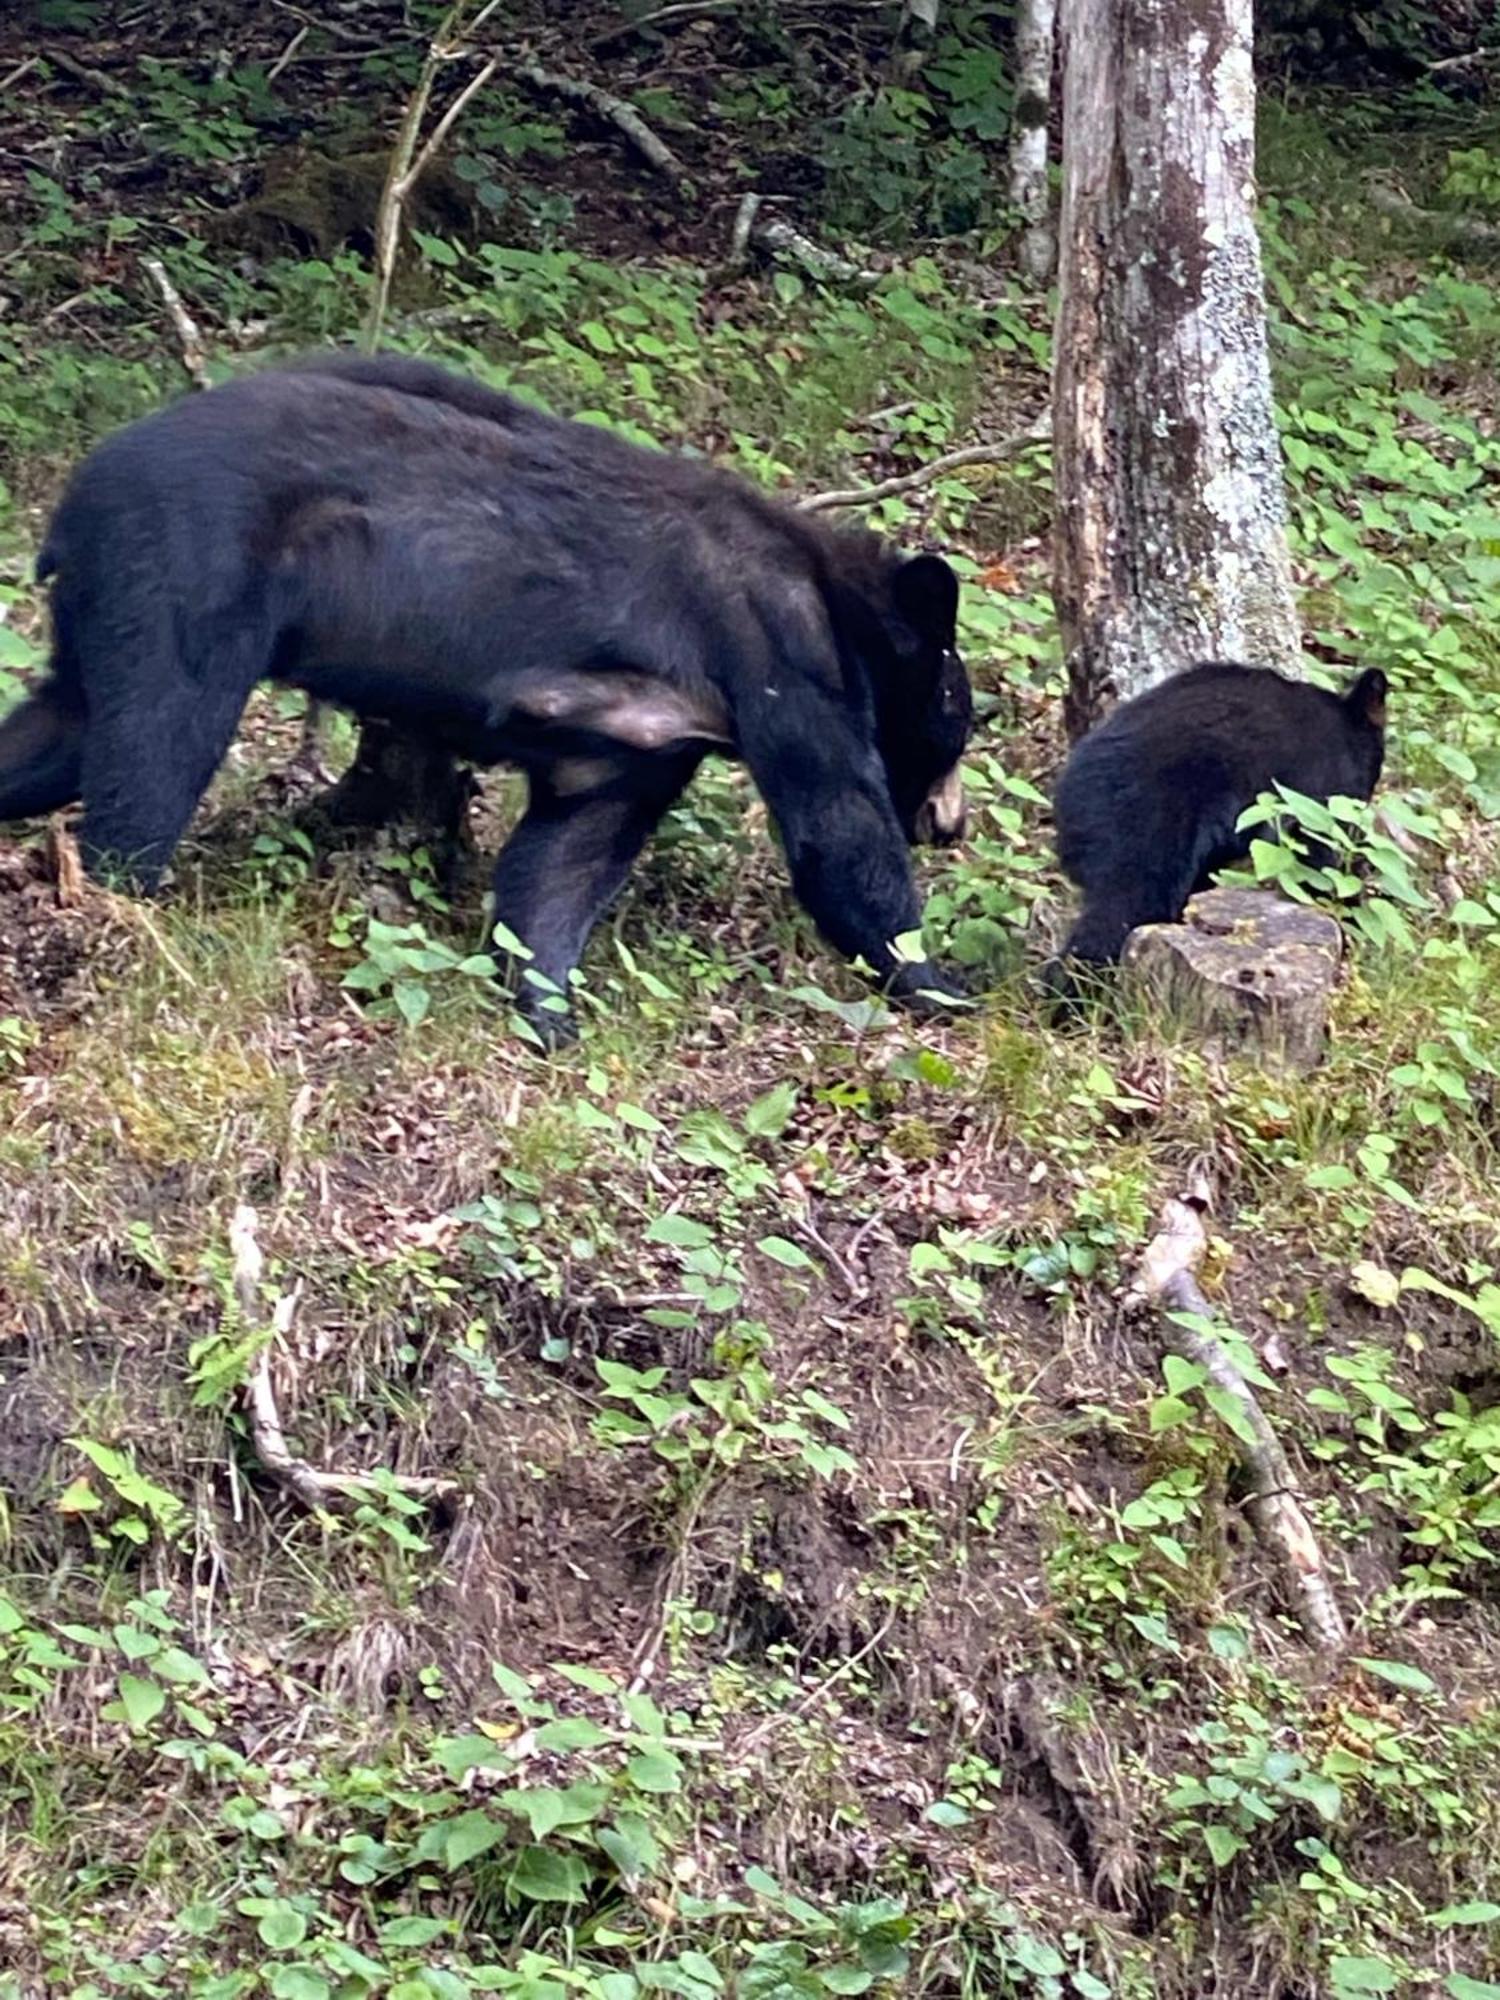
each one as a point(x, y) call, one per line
point(1166, 1279)
point(315, 1489)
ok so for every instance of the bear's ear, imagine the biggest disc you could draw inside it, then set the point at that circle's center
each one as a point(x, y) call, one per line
point(925, 592)
point(1366, 697)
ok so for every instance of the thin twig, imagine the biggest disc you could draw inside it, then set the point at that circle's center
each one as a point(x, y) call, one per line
point(995, 453)
point(450, 118)
point(329, 27)
point(1484, 55)
point(659, 17)
point(809, 1231)
point(12, 77)
point(289, 53)
point(408, 161)
point(189, 339)
point(96, 79)
point(824, 1688)
point(313, 1488)
point(1166, 1279)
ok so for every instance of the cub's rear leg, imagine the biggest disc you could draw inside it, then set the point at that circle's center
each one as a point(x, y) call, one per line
point(41, 753)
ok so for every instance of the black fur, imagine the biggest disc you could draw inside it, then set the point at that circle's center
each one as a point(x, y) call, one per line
point(1147, 804)
point(511, 586)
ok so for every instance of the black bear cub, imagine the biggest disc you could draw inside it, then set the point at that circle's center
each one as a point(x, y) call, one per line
point(1147, 804)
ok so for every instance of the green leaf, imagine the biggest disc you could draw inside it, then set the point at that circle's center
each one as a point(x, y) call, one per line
point(1181, 1375)
point(769, 1116)
point(1223, 1844)
point(780, 1251)
point(655, 1771)
point(1362, 1975)
point(282, 1929)
point(413, 1002)
point(547, 1877)
point(1230, 1410)
point(1466, 1913)
point(141, 1700)
point(680, 1230)
point(471, 1834)
point(1399, 1675)
point(571, 1732)
point(846, 1979)
point(414, 1931)
point(1169, 1411)
point(299, 1982)
point(1087, 1987)
point(1321, 1793)
point(1462, 1987)
point(459, 1755)
point(945, 1812)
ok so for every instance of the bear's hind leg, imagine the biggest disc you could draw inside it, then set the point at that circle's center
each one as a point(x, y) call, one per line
point(567, 860)
point(157, 732)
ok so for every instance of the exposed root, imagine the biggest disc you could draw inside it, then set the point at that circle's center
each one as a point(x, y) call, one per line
point(315, 1489)
point(1166, 1279)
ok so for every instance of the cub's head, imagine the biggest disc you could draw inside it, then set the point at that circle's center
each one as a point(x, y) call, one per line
point(1363, 703)
point(924, 706)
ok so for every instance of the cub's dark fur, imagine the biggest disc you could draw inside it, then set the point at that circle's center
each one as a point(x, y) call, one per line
point(513, 587)
point(1147, 803)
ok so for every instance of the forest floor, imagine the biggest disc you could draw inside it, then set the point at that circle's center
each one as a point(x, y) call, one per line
point(784, 1565)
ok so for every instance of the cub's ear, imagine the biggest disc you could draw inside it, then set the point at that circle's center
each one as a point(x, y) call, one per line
point(925, 592)
point(1366, 697)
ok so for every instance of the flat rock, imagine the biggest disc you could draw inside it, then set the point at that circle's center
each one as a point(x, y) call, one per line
point(1249, 970)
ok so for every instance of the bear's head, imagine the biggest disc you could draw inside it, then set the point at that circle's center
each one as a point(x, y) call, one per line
point(924, 706)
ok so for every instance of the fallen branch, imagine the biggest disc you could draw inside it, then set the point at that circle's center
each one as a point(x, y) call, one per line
point(1167, 1280)
point(1458, 231)
point(189, 339)
point(661, 17)
point(1475, 57)
point(315, 1489)
point(615, 111)
point(995, 453)
point(772, 232)
point(776, 234)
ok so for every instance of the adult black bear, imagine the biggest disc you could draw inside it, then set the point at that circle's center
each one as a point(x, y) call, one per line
point(513, 587)
point(1147, 802)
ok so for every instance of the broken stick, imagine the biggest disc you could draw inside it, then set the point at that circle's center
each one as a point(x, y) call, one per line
point(315, 1489)
point(189, 339)
point(1167, 1279)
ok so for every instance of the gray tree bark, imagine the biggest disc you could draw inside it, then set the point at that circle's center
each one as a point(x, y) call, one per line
point(1036, 22)
point(1171, 511)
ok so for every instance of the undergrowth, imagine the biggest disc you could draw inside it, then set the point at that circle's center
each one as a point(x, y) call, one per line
point(826, 1589)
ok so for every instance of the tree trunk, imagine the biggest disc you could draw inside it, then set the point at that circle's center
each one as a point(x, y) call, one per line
point(1171, 514)
point(1036, 21)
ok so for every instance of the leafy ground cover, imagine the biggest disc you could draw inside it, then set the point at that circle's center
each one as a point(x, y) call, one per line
point(830, 1589)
